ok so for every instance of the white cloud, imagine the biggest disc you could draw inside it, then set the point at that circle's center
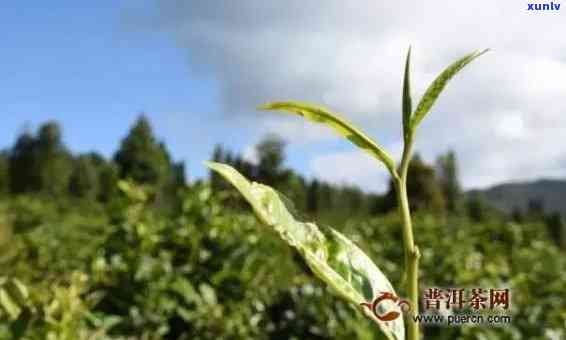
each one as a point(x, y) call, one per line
point(351, 168)
point(504, 115)
point(510, 125)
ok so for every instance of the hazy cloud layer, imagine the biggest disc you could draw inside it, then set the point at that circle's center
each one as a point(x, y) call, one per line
point(505, 115)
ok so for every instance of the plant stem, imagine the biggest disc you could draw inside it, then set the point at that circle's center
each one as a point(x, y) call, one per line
point(411, 251)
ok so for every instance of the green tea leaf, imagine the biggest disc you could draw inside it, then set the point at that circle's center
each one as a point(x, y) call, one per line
point(185, 288)
point(340, 125)
point(17, 290)
point(135, 193)
point(334, 259)
point(407, 101)
point(9, 305)
point(437, 86)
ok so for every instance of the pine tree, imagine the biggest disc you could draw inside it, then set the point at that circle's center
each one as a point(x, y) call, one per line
point(23, 165)
point(296, 189)
point(249, 170)
point(377, 204)
point(423, 187)
point(4, 172)
point(327, 197)
point(477, 207)
point(271, 155)
point(556, 228)
point(141, 158)
point(108, 175)
point(84, 181)
point(54, 160)
point(313, 197)
point(353, 200)
point(448, 176)
point(216, 182)
point(179, 174)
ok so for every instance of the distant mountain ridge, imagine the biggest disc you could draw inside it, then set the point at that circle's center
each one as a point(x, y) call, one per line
point(508, 196)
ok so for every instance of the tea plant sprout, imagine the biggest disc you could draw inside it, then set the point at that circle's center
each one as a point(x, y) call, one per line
point(334, 259)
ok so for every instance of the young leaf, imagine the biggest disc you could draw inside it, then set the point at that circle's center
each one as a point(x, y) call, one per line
point(340, 125)
point(434, 90)
point(9, 305)
point(407, 101)
point(17, 290)
point(332, 257)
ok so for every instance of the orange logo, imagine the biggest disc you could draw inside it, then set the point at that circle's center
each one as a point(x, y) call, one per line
point(390, 315)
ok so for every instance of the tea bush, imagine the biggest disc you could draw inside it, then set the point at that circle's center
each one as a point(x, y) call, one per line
point(211, 272)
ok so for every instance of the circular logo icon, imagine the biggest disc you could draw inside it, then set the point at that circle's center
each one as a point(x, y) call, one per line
point(388, 315)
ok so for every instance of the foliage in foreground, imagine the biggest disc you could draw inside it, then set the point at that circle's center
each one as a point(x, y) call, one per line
point(203, 273)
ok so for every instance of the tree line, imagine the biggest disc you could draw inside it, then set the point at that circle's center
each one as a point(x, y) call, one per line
point(434, 188)
point(40, 163)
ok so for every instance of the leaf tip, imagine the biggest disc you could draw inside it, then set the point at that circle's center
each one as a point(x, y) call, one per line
point(269, 106)
point(483, 52)
point(213, 165)
point(478, 53)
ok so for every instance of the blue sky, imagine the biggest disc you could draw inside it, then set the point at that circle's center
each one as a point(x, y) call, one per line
point(93, 68)
point(87, 68)
point(198, 69)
